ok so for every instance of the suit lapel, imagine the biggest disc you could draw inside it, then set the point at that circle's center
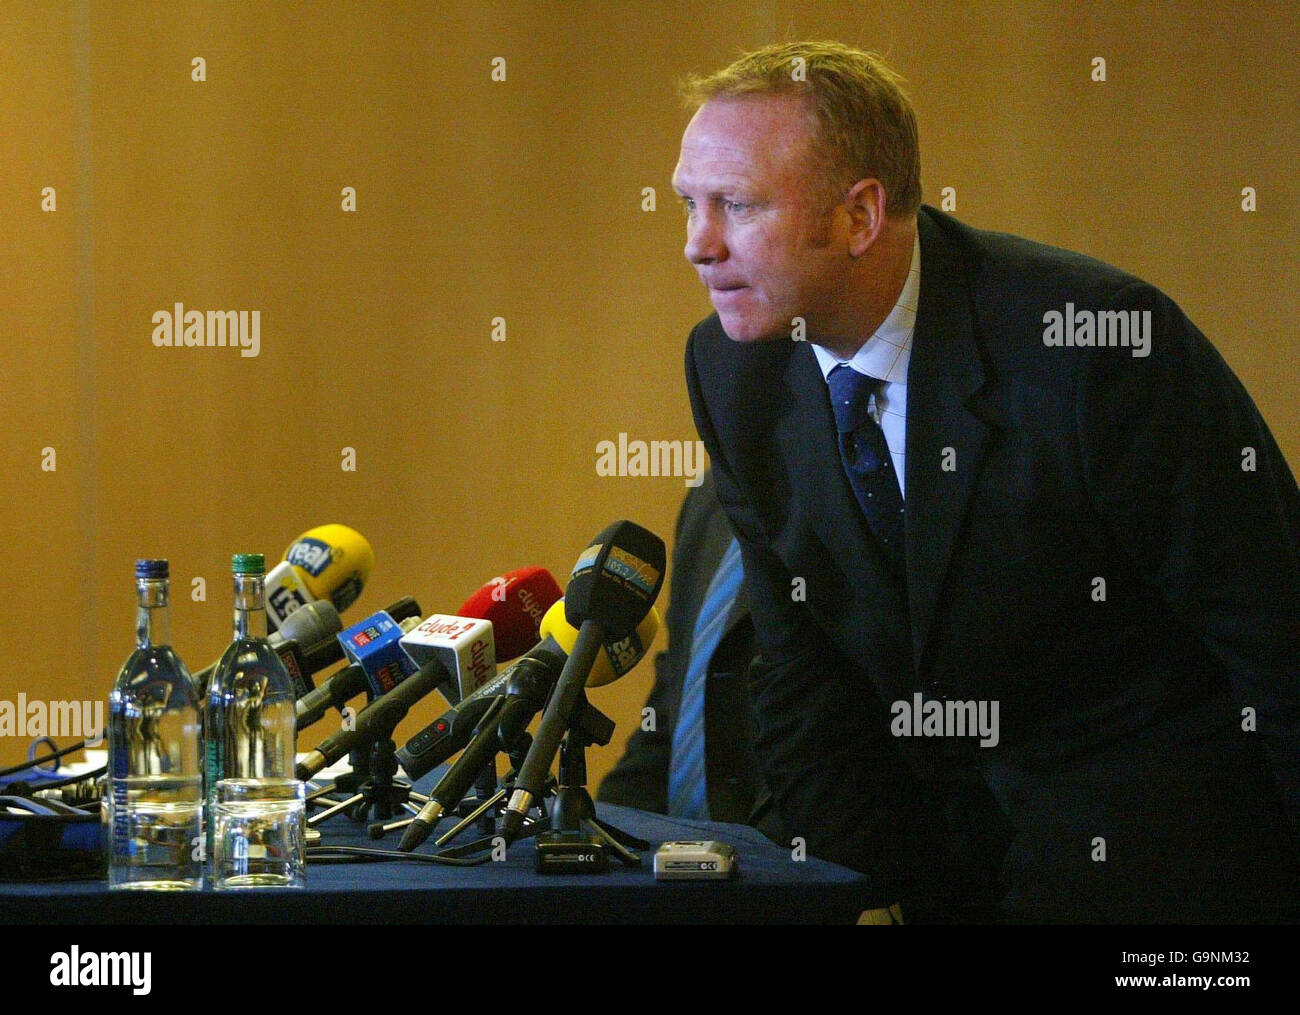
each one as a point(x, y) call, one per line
point(737, 615)
point(944, 373)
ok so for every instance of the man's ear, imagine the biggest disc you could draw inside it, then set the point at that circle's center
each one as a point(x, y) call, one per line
point(865, 204)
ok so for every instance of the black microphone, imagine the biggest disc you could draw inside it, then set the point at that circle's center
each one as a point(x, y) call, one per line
point(308, 625)
point(377, 667)
point(295, 662)
point(376, 721)
point(452, 730)
point(531, 680)
point(613, 586)
point(335, 692)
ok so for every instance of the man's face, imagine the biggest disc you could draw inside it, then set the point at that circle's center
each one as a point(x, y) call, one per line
point(754, 229)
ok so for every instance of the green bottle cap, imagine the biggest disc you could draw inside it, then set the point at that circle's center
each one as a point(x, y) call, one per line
point(248, 563)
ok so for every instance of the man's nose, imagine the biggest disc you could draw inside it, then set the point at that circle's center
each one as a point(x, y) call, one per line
point(704, 243)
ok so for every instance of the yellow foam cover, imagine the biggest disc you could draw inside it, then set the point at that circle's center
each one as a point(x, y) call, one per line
point(616, 658)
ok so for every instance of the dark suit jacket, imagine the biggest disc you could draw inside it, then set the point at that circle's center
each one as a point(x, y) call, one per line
point(1031, 471)
point(735, 788)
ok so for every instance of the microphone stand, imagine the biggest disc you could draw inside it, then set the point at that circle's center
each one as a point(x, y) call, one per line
point(573, 810)
point(485, 788)
point(488, 800)
point(493, 805)
point(382, 794)
point(371, 786)
point(350, 782)
point(347, 783)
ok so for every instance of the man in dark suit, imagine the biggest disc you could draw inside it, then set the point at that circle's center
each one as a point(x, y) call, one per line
point(1027, 588)
point(728, 784)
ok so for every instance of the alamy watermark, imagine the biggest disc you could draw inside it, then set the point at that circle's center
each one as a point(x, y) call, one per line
point(78, 720)
point(652, 458)
point(946, 718)
point(1127, 329)
point(236, 329)
point(75, 968)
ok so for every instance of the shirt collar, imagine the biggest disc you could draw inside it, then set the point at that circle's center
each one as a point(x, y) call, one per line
point(886, 353)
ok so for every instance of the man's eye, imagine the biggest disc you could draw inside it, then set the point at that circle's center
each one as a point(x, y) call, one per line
point(687, 204)
point(736, 206)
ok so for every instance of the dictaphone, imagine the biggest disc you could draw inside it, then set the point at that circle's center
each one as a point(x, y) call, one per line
point(693, 860)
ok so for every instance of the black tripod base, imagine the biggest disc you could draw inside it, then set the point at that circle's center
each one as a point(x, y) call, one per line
point(382, 801)
point(573, 812)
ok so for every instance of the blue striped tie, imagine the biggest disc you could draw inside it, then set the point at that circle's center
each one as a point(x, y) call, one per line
point(687, 791)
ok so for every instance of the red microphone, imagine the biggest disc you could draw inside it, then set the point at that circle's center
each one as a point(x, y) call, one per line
point(515, 602)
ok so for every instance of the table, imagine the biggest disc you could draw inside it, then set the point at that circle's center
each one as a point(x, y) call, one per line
point(771, 887)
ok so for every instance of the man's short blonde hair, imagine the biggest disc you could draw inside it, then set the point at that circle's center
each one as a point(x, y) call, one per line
point(862, 121)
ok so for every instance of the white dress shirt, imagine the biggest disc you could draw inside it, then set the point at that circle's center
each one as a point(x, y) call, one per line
point(885, 356)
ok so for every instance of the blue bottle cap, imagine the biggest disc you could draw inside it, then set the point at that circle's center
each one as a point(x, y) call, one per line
point(151, 567)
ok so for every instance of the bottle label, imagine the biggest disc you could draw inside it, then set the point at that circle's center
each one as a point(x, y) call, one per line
point(212, 775)
point(122, 843)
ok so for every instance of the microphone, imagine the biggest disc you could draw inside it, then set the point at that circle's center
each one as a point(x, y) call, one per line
point(515, 602)
point(464, 644)
point(376, 721)
point(524, 688)
point(311, 625)
point(374, 646)
point(373, 663)
point(530, 682)
point(332, 562)
point(328, 562)
point(303, 665)
point(509, 602)
point(285, 594)
point(620, 654)
point(451, 731)
point(295, 663)
point(612, 587)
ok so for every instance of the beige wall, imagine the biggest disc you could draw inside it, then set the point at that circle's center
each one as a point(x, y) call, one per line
point(520, 200)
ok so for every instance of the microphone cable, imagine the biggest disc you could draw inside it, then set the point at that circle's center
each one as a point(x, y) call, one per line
point(365, 854)
point(37, 762)
point(22, 788)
